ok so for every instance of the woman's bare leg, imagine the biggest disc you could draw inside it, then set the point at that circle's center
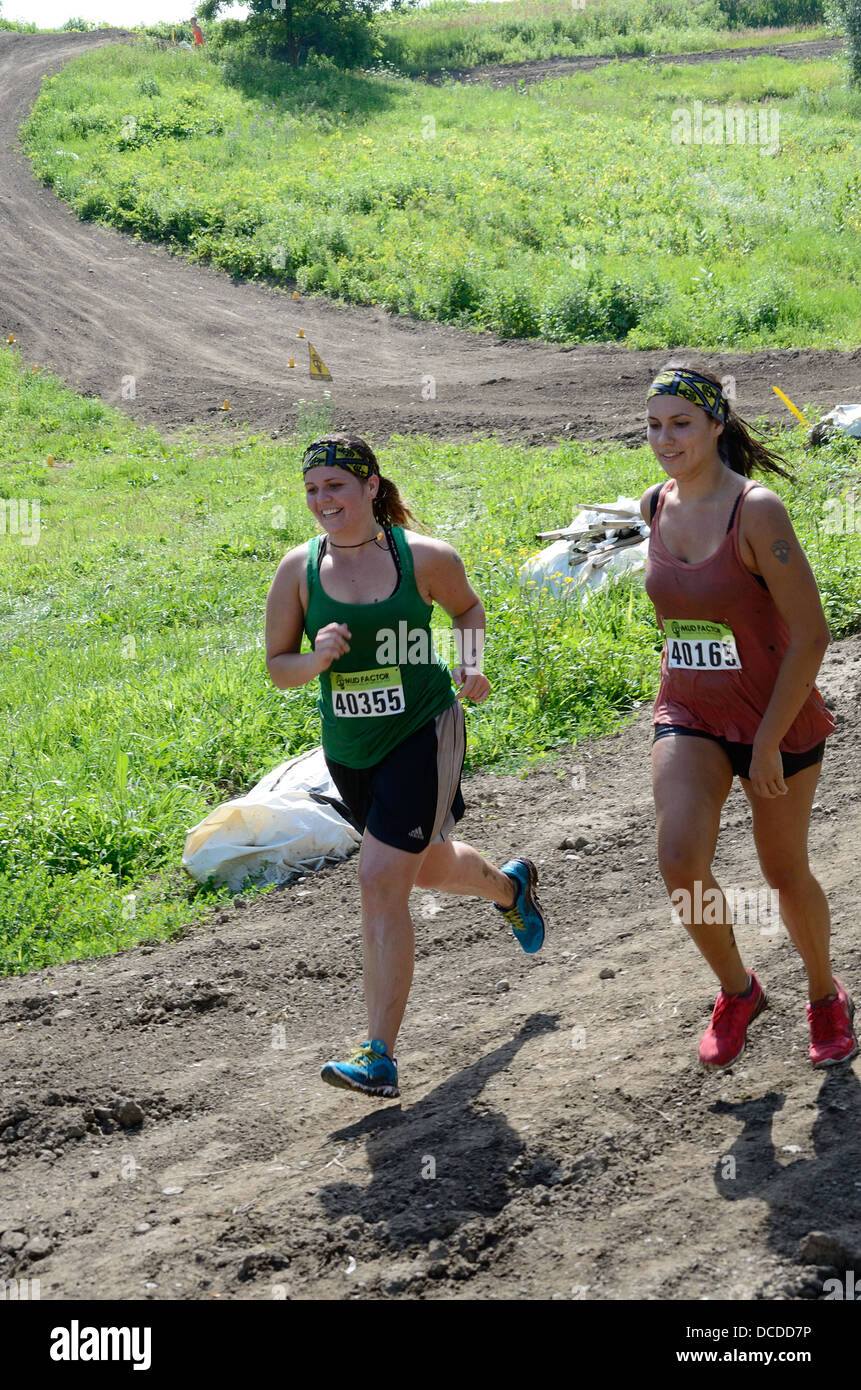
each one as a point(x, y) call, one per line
point(691, 779)
point(780, 829)
point(386, 878)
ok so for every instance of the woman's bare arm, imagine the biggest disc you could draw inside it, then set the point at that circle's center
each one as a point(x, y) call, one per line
point(783, 565)
point(441, 578)
point(285, 624)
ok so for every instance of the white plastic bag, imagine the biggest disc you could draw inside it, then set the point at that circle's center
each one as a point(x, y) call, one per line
point(845, 419)
point(604, 541)
point(275, 831)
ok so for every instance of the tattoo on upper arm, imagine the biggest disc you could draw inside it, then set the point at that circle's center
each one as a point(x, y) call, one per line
point(780, 549)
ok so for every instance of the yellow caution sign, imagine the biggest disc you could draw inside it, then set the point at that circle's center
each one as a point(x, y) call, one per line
point(788, 403)
point(291, 363)
point(317, 367)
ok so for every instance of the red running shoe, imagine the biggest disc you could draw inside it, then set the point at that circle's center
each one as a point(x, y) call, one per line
point(723, 1041)
point(832, 1038)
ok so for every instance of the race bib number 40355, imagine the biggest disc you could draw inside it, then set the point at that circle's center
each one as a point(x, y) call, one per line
point(358, 694)
point(699, 646)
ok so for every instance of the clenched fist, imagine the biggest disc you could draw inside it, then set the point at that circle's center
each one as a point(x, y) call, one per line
point(331, 642)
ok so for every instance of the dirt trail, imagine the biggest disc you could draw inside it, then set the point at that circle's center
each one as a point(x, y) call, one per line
point(551, 1137)
point(540, 69)
point(96, 306)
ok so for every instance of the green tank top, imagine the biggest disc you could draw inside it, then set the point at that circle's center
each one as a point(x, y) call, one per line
point(391, 681)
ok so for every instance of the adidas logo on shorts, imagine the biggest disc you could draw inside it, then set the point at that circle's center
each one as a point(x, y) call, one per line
point(417, 834)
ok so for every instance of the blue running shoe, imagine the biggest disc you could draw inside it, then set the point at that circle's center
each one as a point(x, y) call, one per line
point(525, 916)
point(369, 1070)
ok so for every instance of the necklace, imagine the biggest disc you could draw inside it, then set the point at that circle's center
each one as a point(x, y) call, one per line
point(356, 544)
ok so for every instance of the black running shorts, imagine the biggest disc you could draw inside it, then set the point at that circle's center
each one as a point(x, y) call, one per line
point(412, 797)
point(740, 754)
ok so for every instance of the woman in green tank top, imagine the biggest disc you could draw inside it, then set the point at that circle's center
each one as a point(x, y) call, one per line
point(392, 725)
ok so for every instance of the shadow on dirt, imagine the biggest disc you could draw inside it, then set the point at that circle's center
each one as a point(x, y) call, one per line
point(805, 1194)
point(443, 1161)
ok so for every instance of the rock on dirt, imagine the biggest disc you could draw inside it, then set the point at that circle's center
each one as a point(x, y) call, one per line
point(128, 1113)
point(823, 1248)
point(38, 1248)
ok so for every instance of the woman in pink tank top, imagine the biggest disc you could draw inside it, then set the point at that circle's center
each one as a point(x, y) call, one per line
point(744, 638)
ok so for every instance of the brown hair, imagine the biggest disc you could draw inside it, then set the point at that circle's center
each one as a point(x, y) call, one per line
point(390, 509)
point(737, 447)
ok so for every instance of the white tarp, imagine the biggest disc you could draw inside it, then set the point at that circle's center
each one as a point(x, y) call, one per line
point(275, 831)
point(844, 419)
point(604, 541)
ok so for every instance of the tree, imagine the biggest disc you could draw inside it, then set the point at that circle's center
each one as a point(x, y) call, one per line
point(290, 30)
point(844, 16)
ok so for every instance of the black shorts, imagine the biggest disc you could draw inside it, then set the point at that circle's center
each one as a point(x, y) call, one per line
point(740, 754)
point(412, 797)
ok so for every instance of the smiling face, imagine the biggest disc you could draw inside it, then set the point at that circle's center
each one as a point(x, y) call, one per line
point(682, 435)
point(339, 500)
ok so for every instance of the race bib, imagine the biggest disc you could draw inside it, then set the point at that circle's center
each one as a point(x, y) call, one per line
point(697, 646)
point(360, 694)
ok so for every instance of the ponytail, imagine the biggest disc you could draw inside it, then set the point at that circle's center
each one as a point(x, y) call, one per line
point(390, 509)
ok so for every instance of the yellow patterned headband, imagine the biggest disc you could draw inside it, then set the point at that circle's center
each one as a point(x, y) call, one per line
point(331, 454)
point(698, 389)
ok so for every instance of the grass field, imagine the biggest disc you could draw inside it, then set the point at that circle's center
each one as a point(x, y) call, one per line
point(452, 34)
point(134, 688)
point(565, 211)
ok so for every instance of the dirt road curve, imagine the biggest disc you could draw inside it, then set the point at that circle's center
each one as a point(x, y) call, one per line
point(95, 306)
point(551, 1137)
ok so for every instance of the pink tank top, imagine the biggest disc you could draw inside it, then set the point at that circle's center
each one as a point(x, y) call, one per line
point(711, 679)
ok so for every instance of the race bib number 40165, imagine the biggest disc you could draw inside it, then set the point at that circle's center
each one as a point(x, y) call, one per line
point(699, 646)
point(358, 694)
